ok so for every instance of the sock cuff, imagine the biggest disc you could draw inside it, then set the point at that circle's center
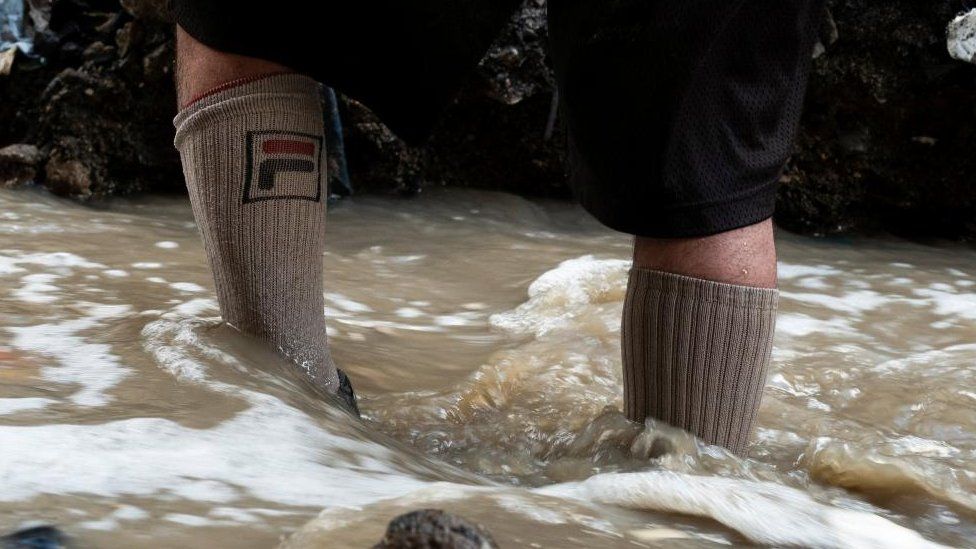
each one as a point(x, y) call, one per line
point(707, 291)
point(279, 92)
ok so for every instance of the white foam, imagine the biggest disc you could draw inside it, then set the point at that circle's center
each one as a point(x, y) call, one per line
point(36, 288)
point(764, 512)
point(346, 304)
point(14, 405)
point(409, 312)
point(270, 451)
point(558, 296)
point(855, 303)
point(947, 302)
point(90, 365)
point(799, 325)
point(789, 271)
point(187, 287)
point(190, 520)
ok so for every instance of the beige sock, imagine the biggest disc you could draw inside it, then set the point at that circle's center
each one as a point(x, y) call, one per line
point(695, 353)
point(253, 159)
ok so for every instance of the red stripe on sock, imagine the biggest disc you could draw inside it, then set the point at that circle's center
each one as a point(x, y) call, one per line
point(233, 84)
point(288, 146)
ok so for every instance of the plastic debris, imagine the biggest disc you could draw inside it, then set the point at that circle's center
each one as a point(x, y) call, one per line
point(12, 30)
point(962, 37)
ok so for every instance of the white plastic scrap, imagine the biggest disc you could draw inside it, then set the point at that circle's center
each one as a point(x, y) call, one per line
point(12, 26)
point(962, 37)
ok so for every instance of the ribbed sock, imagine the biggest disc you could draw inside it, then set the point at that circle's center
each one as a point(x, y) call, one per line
point(695, 353)
point(253, 156)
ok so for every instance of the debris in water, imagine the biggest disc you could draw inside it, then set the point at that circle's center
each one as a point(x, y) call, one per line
point(962, 37)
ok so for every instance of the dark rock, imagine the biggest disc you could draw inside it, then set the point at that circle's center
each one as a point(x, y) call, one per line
point(886, 139)
point(98, 52)
point(493, 136)
point(434, 529)
point(18, 164)
point(153, 11)
point(157, 65)
point(68, 178)
point(101, 103)
point(38, 537)
point(884, 145)
point(515, 68)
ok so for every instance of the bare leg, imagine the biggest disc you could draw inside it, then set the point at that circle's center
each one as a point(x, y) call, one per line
point(745, 256)
point(200, 68)
point(697, 331)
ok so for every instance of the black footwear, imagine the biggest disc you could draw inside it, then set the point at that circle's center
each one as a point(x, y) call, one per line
point(347, 394)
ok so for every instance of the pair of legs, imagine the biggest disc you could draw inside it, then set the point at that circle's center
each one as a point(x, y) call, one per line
point(698, 318)
point(745, 256)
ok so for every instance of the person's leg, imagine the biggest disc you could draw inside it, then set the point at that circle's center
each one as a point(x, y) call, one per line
point(745, 256)
point(250, 135)
point(697, 331)
point(201, 69)
point(681, 115)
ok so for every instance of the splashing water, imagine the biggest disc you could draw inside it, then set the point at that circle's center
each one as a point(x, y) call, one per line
point(482, 334)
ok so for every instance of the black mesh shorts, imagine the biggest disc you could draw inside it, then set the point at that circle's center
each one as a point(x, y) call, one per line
point(681, 113)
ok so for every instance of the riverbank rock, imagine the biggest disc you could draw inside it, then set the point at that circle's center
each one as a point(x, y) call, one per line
point(885, 143)
point(887, 135)
point(18, 164)
point(434, 529)
point(38, 537)
point(98, 99)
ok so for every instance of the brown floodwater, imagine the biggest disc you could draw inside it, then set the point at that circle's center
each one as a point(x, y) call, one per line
point(481, 333)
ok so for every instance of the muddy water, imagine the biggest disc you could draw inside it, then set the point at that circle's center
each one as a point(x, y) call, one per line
point(481, 332)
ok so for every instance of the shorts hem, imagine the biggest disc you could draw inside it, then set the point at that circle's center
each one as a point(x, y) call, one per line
point(691, 220)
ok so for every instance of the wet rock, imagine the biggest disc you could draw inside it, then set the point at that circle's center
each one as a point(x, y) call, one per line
point(492, 136)
point(39, 537)
point(434, 529)
point(68, 178)
point(884, 145)
point(154, 11)
point(98, 51)
point(157, 65)
point(100, 104)
point(860, 164)
point(18, 164)
point(515, 68)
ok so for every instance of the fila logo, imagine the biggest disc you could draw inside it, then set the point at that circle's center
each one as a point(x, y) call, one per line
point(283, 165)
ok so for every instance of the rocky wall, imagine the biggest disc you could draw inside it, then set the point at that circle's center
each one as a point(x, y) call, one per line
point(886, 140)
